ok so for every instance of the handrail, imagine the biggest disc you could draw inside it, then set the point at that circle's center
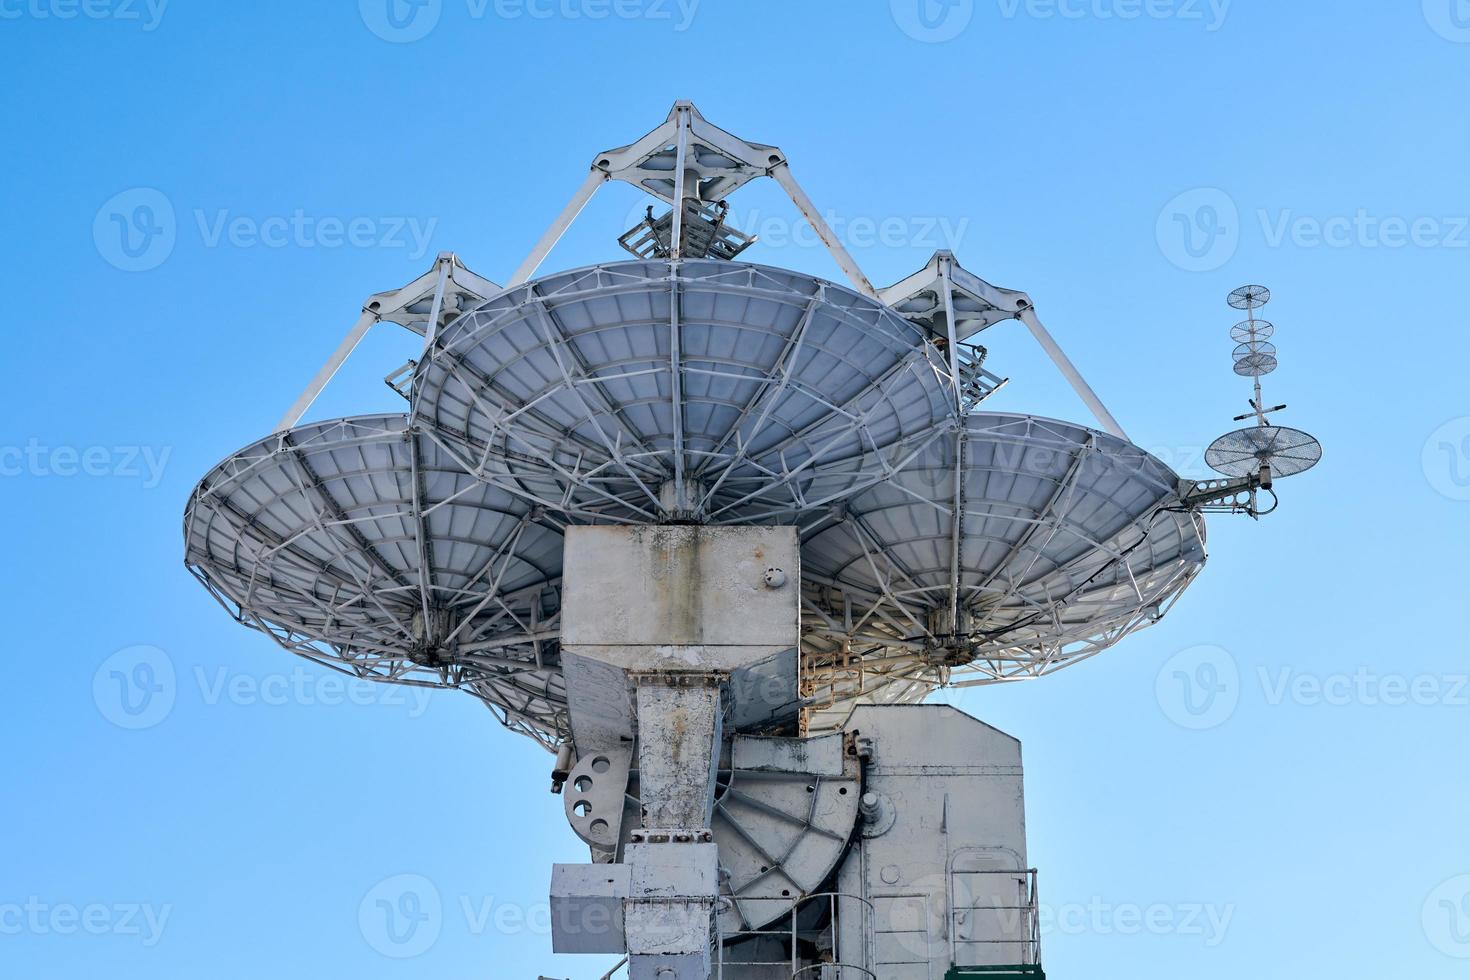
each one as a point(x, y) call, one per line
point(795, 904)
point(1030, 915)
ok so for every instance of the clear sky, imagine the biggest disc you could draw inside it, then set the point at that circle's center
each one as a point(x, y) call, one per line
point(198, 195)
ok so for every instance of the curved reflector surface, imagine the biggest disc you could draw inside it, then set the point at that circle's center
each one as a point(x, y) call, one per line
point(687, 390)
point(360, 544)
point(1021, 546)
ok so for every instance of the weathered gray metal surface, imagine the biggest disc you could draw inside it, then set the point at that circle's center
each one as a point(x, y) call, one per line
point(680, 734)
point(587, 903)
point(654, 590)
point(954, 785)
point(782, 827)
point(662, 619)
point(821, 756)
point(678, 599)
point(595, 795)
point(670, 911)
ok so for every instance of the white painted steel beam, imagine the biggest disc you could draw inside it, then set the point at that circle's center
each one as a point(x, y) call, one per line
point(393, 306)
point(782, 174)
point(527, 268)
point(1070, 372)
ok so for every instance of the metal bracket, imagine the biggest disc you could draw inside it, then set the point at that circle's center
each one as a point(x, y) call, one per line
point(441, 294)
point(1237, 496)
point(954, 305)
point(688, 158)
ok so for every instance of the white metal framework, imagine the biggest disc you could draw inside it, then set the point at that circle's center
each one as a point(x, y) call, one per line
point(939, 546)
point(424, 305)
point(954, 305)
point(698, 390)
point(808, 522)
point(358, 544)
point(1019, 546)
point(689, 158)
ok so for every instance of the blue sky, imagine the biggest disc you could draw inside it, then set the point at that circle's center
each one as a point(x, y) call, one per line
point(198, 196)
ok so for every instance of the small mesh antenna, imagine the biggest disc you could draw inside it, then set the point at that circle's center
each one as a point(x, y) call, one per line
point(1262, 450)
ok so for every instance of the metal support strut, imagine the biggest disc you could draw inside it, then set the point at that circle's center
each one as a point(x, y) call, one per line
point(662, 163)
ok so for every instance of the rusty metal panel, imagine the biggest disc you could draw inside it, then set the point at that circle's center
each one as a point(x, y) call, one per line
point(681, 586)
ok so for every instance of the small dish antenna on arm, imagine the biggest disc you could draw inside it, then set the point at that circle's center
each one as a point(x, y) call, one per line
point(1252, 458)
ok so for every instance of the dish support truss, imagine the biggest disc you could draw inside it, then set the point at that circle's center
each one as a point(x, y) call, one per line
point(745, 433)
point(690, 160)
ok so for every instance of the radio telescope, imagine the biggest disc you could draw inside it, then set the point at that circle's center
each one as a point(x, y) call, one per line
point(710, 531)
point(699, 390)
point(1021, 546)
point(359, 544)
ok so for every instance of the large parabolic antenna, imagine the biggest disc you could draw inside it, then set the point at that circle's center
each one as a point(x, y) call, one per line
point(1012, 548)
point(709, 531)
point(700, 390)
point(360, 544)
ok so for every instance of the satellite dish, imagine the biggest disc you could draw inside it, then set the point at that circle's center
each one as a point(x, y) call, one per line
point(1257, 455)
point(1255, 359)
point(359, 544)
point(1248, 330)
point(1277, 449)
point(1021, 545)
point(1249, 297)
point(700, 390)
point(917, 543)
